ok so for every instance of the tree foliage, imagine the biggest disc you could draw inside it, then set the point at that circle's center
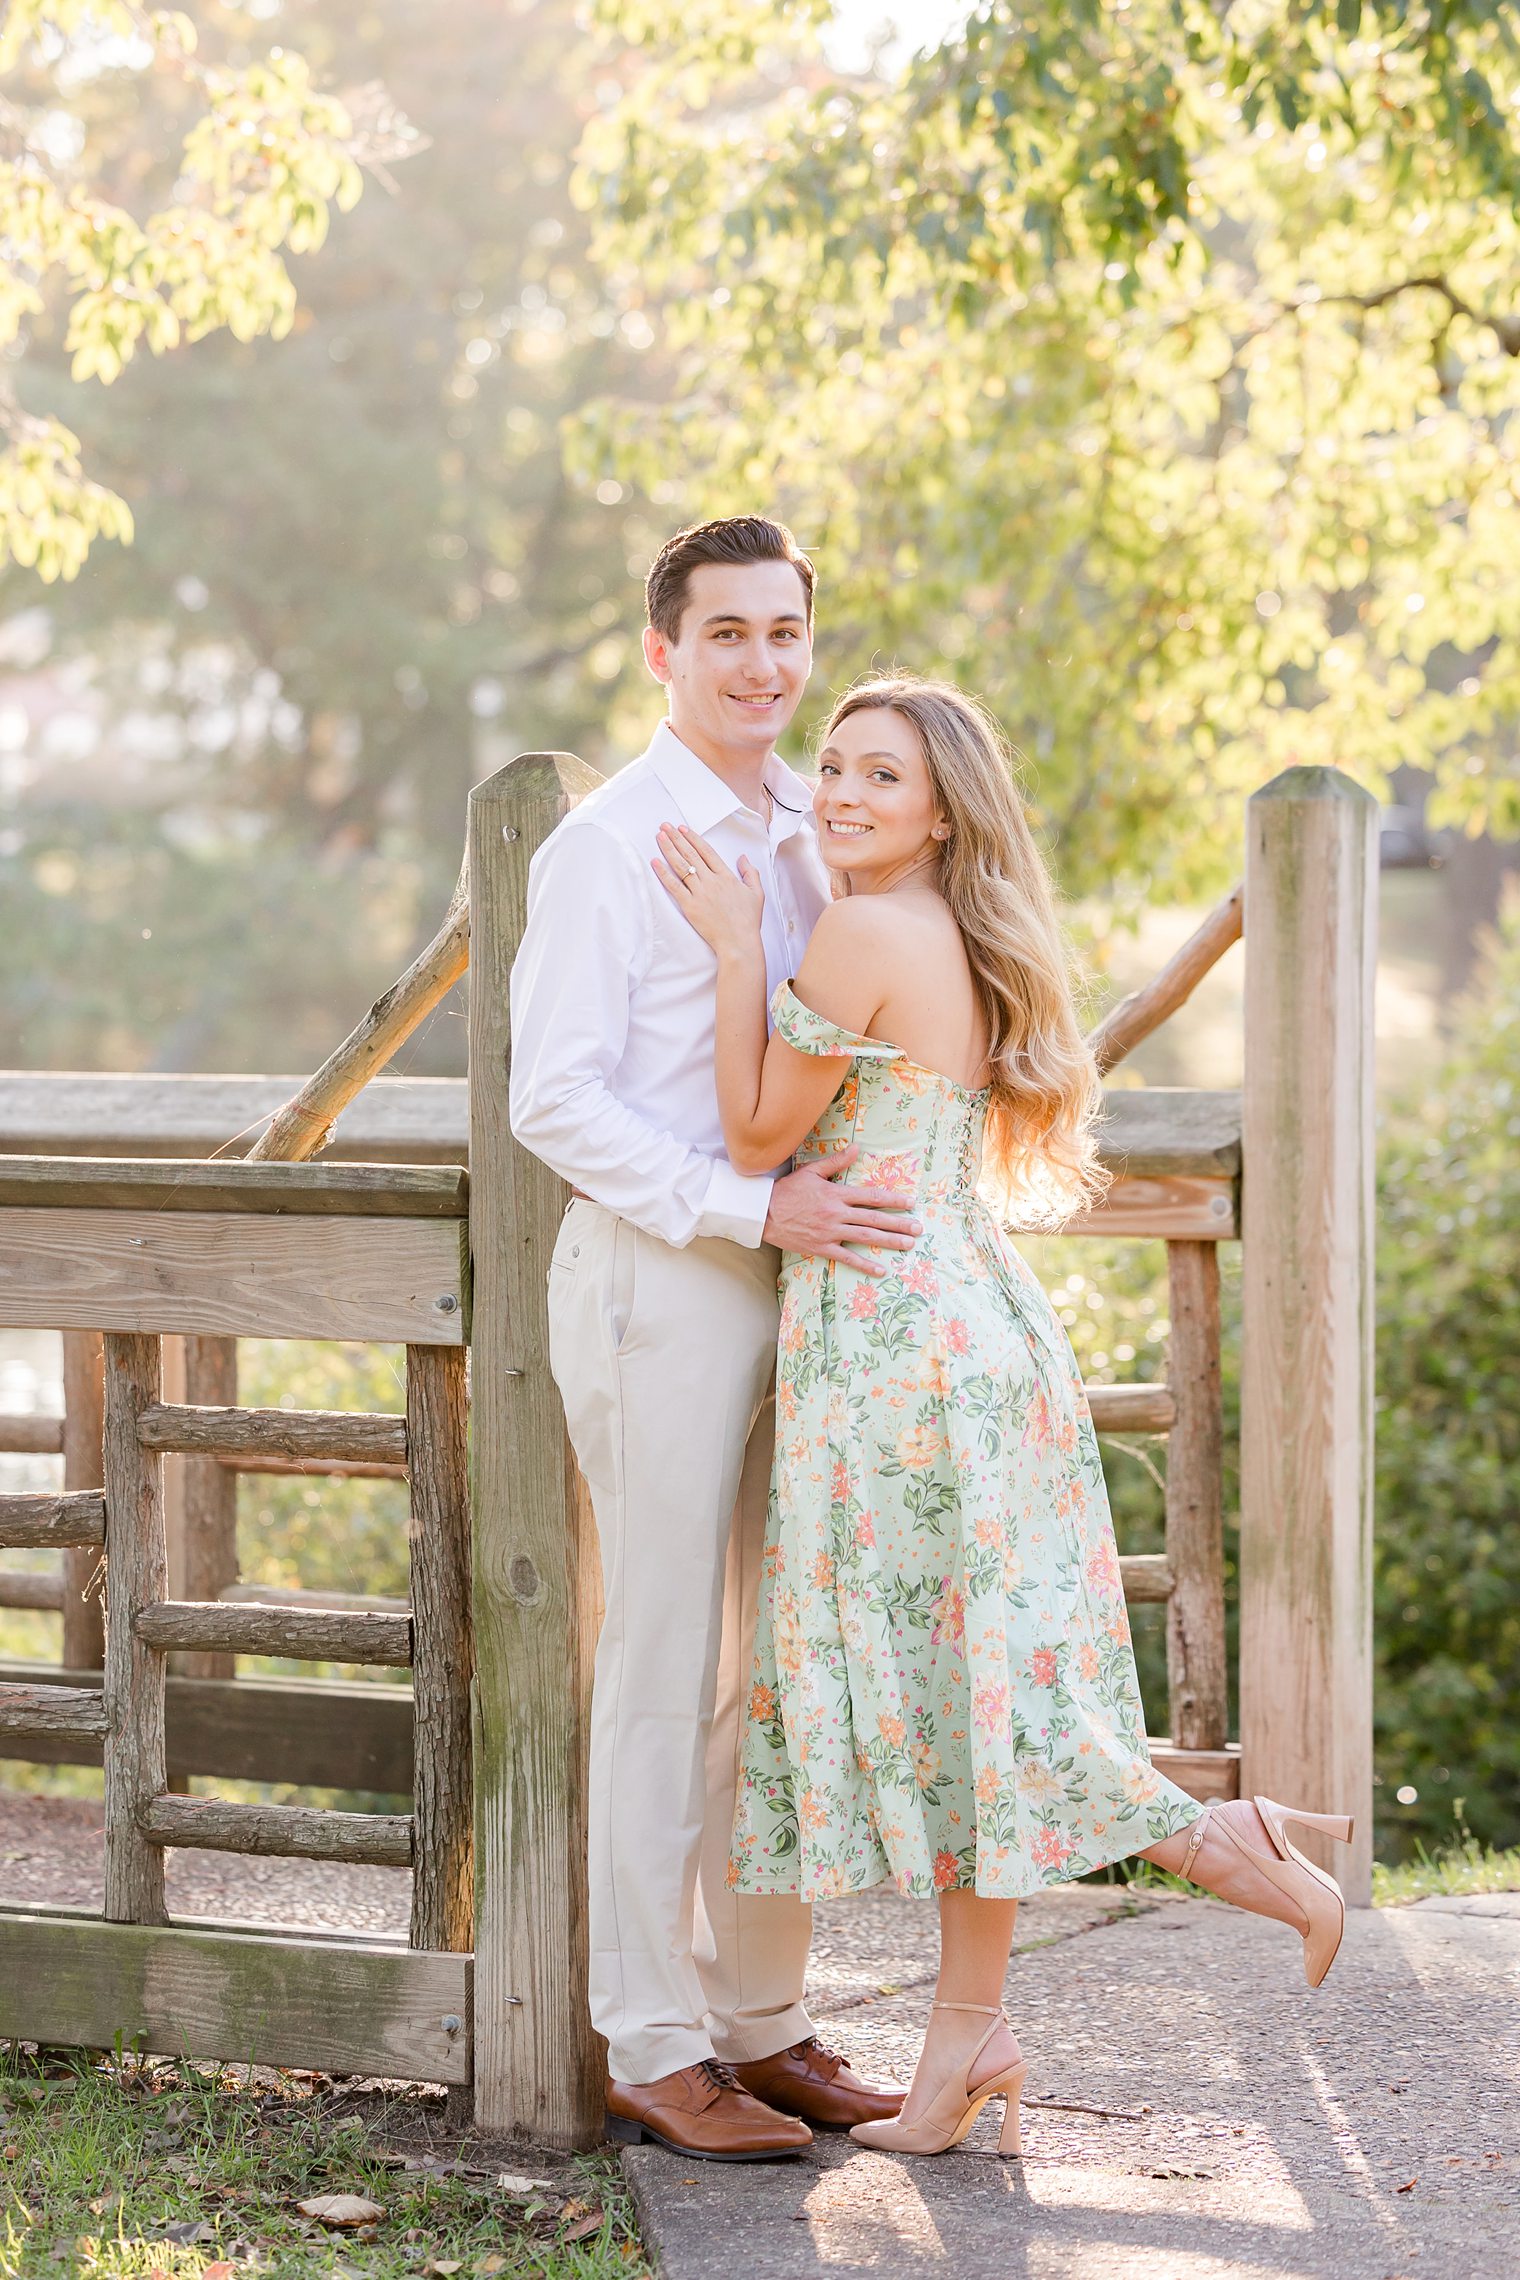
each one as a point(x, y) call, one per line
point(263, 157)
point(1149, 365)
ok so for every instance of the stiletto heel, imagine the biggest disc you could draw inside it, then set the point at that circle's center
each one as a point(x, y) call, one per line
point(1312, 1890)
point(1011, 2135)
point(951, 2113)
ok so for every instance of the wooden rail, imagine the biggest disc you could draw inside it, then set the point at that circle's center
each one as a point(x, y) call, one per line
point(298, 1832)
point(296, 1434)
point(302, 1634)
point(44, 1523)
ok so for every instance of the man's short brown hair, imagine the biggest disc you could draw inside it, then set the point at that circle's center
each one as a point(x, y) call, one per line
point(732, 538)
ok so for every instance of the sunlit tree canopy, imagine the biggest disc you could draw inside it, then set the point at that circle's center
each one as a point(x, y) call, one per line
point(1149, 366)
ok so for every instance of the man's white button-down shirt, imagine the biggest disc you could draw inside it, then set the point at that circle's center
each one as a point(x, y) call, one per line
point(614, 993)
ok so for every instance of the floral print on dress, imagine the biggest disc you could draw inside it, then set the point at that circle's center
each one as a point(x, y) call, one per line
point(944, 1690)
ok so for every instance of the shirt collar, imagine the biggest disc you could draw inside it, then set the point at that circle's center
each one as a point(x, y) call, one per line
point(704, 797)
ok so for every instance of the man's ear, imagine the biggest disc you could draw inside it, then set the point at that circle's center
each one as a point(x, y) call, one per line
point(657, 655)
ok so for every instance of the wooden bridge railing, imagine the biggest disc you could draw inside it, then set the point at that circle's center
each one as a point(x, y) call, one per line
point(1293, 1167)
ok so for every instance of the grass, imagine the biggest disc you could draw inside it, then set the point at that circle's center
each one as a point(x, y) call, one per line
point(119, 2169)
point(1465, 1866)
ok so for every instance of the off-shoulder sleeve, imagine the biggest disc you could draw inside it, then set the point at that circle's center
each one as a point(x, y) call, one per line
point(809, 1032)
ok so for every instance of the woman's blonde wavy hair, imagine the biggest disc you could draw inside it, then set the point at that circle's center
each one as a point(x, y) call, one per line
point(1043, 1079)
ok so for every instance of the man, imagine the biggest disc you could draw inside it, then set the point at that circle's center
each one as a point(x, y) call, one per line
point(663, 1315)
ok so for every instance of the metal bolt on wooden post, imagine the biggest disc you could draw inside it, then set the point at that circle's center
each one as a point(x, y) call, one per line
point(536, 1574)
point(1307, 1361)
point(1196, 1663)
point(83, 1432)
point(137, 1576)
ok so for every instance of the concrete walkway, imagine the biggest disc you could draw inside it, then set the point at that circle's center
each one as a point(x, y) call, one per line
point(1369, 2131)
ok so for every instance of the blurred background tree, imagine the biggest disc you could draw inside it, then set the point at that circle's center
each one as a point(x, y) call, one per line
point(1151, 366)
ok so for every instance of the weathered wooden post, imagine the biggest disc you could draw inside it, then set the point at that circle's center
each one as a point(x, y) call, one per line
point(536, 1573)
point(83, 1438)
point(1307, 1230)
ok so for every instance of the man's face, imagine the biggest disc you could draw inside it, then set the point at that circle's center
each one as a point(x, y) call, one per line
point(737, 671)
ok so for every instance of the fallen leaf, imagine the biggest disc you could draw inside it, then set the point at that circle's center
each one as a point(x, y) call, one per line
point(341, 2209)
point(1409, 2188)
point(584, 2226)
point(187, 2230)
point(510, 2182)
point(444, 2265)
point(221, 2270)
point(495, 2262)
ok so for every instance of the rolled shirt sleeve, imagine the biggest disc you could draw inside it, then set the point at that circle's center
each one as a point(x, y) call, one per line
point(585, 944)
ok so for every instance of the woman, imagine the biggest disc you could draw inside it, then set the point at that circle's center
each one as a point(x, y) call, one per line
point(944, 1688)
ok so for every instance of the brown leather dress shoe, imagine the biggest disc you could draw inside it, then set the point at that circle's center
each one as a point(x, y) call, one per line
point(816, 2085)
point(702, 2112)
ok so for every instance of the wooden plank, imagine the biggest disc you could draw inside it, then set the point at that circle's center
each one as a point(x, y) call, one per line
point(210, 1497)
point(343, 2007)
point(1307, 1296)
point(298, 1595)
point(84, 1400)
point(287, 1832)
point(305, 1634)
point(1196, 1662)
point(321, 1733)
point(1155, 1131)
point(1174, 1209)
point(21, 1587)
point(443, 1650)
point(321, 1191)
point(1146, 1576)
point(392, 1281)
point(48, 1523)
point(136, 1575)
point(1204, 1774)
point(1131, 1408)
point(312, 1468)
point(76, 1713)
point(538, 2069)
point(31, 1436)
point(406, 1120)
point(292, 1433)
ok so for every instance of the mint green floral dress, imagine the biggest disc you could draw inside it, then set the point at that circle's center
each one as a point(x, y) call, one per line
point(944, 1689)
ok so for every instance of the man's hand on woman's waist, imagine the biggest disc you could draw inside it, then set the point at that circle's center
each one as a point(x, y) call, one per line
point(812, 1212)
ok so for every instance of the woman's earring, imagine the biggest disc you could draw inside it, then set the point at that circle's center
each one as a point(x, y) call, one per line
point(941, 831)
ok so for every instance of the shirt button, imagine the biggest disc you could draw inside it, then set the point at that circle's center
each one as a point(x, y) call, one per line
point(791, 926)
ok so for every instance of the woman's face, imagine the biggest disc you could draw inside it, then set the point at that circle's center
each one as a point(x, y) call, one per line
point(875, 803)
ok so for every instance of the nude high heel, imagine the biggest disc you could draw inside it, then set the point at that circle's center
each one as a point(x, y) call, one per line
point(953, 2109)
point(1313, 1891)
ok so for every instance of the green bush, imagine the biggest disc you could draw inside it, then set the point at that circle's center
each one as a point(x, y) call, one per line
point(1447, 1610)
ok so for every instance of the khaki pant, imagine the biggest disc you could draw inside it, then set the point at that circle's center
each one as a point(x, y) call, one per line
point(664, 1362)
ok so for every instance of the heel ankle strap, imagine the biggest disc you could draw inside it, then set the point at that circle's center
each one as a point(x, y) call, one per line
point(983, 2010)
point(1200, 1831)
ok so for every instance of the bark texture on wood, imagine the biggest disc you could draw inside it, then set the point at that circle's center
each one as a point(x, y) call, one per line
point(1307, 1377)
point(1132, 1408)
point(1134, 1017)
point(1197, 1672)
point(47, 1523)
point(443, 1654)
point(84, 1398)
point(321, 1733)
point(320, 1191)
point(210, 1497)
point(293, 1832)
point(73, 1712)
point(136, 1576)
point(347, 2006)
point(19, 1587)
point(298, 1595)
point(1145, 1576)
point(203, 1273)
point(313, 1468)
point(31, 1436)
point(536, 1573)
point(293, 1433)
point(303, 1634)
